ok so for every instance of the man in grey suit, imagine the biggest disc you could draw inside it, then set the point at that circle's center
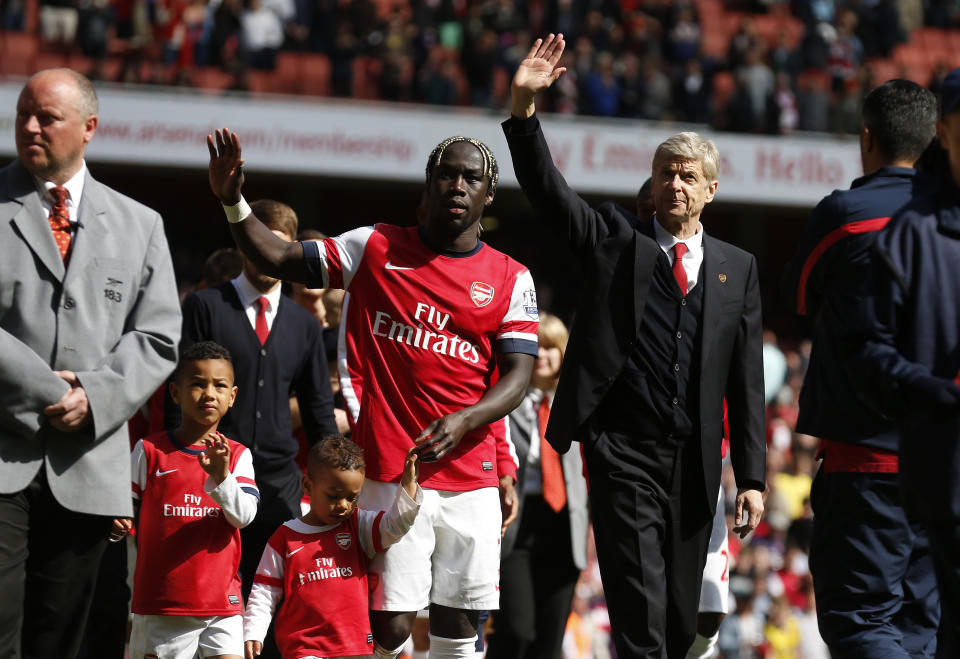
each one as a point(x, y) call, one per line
point(89, 324)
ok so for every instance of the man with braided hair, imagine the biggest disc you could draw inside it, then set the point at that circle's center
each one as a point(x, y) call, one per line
point(446, 330)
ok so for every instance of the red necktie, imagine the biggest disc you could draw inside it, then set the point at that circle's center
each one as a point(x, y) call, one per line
point(678, 272)
point(60, 220)
point(262, 330)
point(554, 490)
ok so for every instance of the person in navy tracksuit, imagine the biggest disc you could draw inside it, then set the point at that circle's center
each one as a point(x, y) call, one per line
point(872, 572)
point(909, 360)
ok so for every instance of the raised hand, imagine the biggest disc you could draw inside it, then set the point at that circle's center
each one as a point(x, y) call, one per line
point(226, 166)
point(410, 472)
point(536, 72)
point(215, 460)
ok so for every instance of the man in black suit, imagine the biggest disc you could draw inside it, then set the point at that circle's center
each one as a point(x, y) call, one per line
point(668, 326)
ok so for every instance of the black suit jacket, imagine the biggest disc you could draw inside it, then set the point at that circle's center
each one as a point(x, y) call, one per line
point(618, 255)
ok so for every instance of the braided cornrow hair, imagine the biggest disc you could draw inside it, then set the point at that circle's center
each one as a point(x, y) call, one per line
point(490, 167)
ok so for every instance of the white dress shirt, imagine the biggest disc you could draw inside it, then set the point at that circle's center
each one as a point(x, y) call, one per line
point(692, 260)
point(74, 186)
point(248, 297)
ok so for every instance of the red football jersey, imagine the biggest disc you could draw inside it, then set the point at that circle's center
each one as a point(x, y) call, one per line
point(188, 552)
point(426, 327)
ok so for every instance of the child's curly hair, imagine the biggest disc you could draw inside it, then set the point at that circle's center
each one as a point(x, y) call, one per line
point(336, 452)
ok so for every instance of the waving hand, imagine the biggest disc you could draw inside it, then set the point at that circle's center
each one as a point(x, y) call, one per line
point(536, 72)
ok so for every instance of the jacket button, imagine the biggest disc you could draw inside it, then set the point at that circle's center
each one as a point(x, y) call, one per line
point(263, 352)
point(69, 303)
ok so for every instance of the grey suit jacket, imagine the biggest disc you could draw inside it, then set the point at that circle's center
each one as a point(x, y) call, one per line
point(112, 316)
point(523, 430)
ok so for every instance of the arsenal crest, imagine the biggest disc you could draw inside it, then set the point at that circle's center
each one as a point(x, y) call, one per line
point(343, 540)
point(481, 293)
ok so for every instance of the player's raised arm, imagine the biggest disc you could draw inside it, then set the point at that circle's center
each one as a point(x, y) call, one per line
point(272, 255)
point(536, 72)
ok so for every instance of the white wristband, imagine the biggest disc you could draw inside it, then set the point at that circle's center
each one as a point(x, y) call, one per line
point(238, 212)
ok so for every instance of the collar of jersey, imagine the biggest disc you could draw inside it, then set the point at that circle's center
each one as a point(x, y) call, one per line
point(181, 447)
point(447, 252)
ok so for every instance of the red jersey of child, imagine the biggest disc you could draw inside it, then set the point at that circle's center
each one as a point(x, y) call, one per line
point(320, 575)
point(189, 529)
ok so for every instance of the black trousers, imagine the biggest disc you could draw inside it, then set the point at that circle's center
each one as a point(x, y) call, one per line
point(49, 558)
point(930, 491)
point(652, 530)
point(872, 570)
point(537, 580)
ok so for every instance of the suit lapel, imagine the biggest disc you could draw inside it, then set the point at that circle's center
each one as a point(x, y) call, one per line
point(93, 230)
point(30, 220)
point(647, 251)
point(714, 278)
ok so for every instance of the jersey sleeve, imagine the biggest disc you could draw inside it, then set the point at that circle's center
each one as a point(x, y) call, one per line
point(237, 495)
point(332, 263)
point(381, 528)
point(265, 594)
point(507, 460)
point(138, 470)
point(518, 329)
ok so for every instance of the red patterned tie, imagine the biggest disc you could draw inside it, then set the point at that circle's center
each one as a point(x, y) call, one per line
point(262, 330)
point(554, 490)
point(678, 272)
point(60, 220)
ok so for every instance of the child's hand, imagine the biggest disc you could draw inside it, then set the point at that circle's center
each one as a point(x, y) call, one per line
point(121, 527)
point(252, 649)
point(411, 469)
point(215, 460)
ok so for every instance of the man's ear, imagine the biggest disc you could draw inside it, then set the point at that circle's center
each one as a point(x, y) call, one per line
point(712, 191)
point(175, 392)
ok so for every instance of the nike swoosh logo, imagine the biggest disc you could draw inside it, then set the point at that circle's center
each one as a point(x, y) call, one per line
point(291, 553)
point(164, 473)
point(390, 266)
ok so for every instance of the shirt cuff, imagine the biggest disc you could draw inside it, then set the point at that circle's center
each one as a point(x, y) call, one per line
point(518, 126)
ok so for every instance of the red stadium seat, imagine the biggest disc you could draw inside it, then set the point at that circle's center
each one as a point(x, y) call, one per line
point(209, 77)
point(19, 51)
point(315, 75)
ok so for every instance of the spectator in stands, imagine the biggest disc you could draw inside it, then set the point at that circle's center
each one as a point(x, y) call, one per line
point(602, 89)
point(58, 21)
point(262, 35)
point(657, 103)
point(693, 93)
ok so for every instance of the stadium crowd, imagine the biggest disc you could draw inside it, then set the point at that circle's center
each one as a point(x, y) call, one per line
point(704, 62)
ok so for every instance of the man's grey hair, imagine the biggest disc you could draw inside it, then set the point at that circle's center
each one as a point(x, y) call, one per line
point(686, 147)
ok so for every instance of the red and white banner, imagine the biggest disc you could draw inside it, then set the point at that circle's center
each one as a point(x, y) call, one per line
point(332, 137)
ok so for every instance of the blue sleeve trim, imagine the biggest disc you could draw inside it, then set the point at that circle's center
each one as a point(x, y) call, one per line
point(311, 256)
point(253, 491)
point(518, 345)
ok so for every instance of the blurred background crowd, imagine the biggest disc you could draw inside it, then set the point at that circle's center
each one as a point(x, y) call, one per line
point(762, 66)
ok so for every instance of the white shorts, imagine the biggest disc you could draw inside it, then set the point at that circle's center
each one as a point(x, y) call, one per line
point(450, 556)
point(715, 591)
point(185, 637)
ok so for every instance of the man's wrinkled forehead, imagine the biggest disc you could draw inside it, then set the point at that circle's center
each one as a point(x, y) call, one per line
point(677, 164)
